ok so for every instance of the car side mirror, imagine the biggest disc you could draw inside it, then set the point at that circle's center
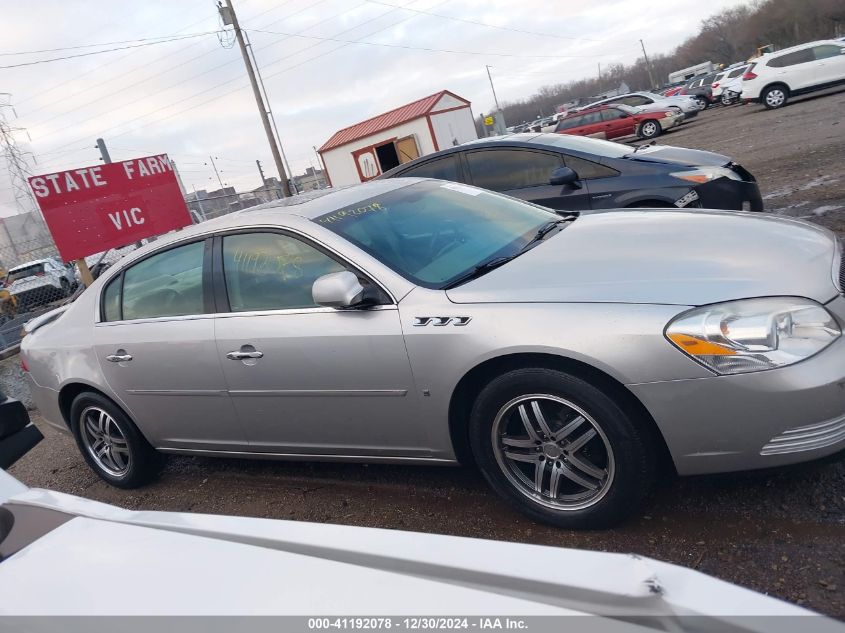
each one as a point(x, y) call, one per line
point(563, 176)
point(340, 290)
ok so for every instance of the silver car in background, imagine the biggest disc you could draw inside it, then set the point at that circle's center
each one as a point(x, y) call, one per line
point(420, 321)
point(652, 102)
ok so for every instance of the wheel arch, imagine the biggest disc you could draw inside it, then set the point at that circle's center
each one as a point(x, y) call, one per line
point(69, 392)
point(473, 381)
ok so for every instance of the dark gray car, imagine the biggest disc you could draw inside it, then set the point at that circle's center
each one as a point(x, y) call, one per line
point(573, 173)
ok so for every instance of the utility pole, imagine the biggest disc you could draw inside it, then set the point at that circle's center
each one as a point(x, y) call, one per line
point(217, 173)
point(104, 151)
point(270, 113)
point(260, 172)
point(227, 12)
point(495, 98)
point(648, 67)
point(599, 76)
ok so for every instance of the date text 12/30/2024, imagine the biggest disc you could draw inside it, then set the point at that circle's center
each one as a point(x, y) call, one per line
point(418, 623)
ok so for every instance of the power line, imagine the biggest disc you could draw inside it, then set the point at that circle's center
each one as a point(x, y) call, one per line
point(428, 49)
point(170, 68)
point(490, 26)
point(225, 83)
point(73, 48)
point(108, 50)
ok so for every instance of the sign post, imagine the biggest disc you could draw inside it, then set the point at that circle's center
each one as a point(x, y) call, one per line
point(94, 209)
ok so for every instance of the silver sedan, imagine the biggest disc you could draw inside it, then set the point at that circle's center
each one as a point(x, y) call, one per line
point(418, 321)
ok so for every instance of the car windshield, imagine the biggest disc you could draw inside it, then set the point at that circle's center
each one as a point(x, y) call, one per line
point(24, 271)
point(433, 232)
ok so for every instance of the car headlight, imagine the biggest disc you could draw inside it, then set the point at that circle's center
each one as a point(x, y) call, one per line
point(753, 334)
point(706, 174)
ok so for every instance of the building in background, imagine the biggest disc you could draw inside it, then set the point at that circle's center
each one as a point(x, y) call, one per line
point(367, 149)
point(312, 179)
point(269, 191)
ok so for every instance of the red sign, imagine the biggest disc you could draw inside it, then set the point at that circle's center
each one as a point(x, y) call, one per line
point(93, 209)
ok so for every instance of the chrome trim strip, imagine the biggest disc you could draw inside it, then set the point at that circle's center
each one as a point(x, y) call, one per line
point(186, 317)
point(177, 392)
point(806, 438)
point(294, 393)
point(310, 456)
point(317, 309)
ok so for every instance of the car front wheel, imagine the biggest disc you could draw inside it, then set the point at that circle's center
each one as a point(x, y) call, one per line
point(110, 443)
point(775, 97)
point(560, 450)
point(649, 129)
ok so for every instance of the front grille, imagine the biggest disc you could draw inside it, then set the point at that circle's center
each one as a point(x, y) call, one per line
point(842, 269)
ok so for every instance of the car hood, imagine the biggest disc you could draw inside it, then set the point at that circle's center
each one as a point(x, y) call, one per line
point(679, 156)
point(28, 283)
point(172, 563)
point(665, 257)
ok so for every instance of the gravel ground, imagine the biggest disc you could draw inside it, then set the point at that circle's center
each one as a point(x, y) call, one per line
point(779, 532)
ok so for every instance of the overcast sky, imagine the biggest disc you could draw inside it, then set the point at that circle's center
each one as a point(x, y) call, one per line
point(191, 98)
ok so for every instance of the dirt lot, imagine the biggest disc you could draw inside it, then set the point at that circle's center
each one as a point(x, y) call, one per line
point(781, 532)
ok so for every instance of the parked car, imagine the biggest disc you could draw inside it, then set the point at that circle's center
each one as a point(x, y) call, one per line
point(775, 77)
point(731, 85)
point(652, 102)
point(701, 89)
point(422, 321)
point(17, 436)
point(39, 282)
point(616, 121)
point(572, 173)
point(56, 547)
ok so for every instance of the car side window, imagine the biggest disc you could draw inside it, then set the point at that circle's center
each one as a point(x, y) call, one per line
point(736, 73)
point(506, 169)
point(637, 100)
point(565, 124)
point(791, 59)
point(165, 284)
point(587, 169)
point(272, 271)
point(827, 50)
point(612, 114)
point(445, 168)
point(591, 118)
point(111, 300)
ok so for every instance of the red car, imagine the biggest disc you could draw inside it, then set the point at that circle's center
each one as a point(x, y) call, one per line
point(613, 121)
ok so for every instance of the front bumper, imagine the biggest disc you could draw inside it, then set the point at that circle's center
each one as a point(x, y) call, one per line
point(756, 420)
point(732, 195)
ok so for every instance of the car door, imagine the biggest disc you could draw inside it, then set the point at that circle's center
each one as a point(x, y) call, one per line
point(591, 125)
point(617, 123)
point(600, 182)
point(155, 346)
point(307, 379)
point(525, 173)
point(796, 69)
point(829, 63)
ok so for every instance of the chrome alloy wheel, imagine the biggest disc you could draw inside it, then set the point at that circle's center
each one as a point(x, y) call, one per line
point(775, 97)
point(104, 441)
point(649, 129)
point(553, 452)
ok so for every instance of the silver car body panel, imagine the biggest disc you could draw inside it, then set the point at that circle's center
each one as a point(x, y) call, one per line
point(377, 384)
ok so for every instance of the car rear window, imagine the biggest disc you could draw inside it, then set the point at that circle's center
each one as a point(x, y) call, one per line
point(24, 272)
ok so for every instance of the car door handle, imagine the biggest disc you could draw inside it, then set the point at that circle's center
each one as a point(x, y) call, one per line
point(244, 355)
point(119, 358)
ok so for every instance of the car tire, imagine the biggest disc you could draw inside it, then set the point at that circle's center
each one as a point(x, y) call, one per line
point(110, 442)
point(726, 100)
point(601, 463)
point(775, 97)
point(649, 129)
point(703, 102)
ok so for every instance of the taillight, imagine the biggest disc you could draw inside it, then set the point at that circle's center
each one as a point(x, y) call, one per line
point(749, 74)
point(716, 85)
point(24, 366)
point(39, 274)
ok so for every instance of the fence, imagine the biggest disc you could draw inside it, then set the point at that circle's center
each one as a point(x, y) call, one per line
point(33, 280)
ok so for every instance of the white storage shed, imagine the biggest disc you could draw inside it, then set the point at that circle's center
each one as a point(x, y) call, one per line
point(367, 149)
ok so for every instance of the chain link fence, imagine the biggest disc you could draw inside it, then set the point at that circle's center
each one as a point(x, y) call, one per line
point(34, 280)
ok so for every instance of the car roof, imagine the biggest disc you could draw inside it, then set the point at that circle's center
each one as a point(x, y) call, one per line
point(28, 264)
point(797, 47)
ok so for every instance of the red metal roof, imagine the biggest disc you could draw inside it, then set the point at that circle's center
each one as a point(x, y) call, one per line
point(387, 120)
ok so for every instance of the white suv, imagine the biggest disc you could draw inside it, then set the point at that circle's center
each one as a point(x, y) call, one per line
point(774, 77)
point(39, 282)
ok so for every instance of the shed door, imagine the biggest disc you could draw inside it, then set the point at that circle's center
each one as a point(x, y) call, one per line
point(407, 149)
